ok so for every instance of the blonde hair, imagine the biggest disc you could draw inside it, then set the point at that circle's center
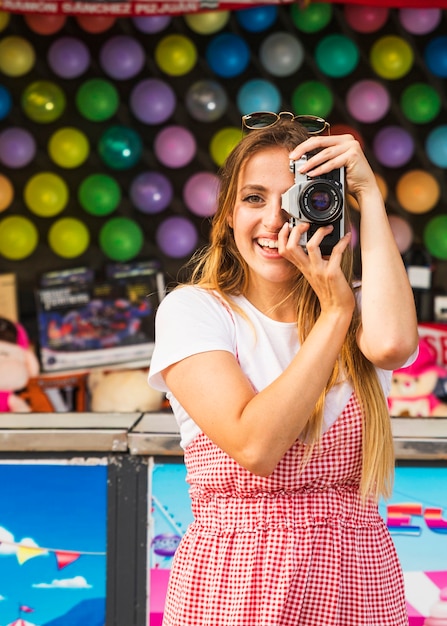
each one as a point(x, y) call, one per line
point(219, 266)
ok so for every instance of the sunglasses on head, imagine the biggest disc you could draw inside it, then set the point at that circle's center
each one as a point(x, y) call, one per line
point(264, 119)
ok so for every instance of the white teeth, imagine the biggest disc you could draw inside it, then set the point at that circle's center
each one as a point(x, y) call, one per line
point(268, 243)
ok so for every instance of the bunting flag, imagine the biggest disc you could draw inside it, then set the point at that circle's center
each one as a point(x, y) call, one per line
point(24, 553)
point(142, 8)
point(25, 609)
point(63, 557)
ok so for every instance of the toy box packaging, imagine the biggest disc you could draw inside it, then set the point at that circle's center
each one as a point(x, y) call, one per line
point(84, 322)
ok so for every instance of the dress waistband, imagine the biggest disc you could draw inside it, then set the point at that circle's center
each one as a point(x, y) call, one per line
point(287, 510)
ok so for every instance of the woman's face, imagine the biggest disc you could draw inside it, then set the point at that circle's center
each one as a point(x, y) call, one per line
point(258, 217)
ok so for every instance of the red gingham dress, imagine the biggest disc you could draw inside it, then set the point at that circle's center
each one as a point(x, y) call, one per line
point(297, 548)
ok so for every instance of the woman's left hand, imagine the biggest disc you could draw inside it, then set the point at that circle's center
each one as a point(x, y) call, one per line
point(334, 152)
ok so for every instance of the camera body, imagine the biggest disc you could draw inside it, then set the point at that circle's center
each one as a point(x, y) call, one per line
point(317, 201)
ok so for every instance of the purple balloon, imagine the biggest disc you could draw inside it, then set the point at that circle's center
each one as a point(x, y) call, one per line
point(151, 23)
point(200, 193)
point(393, 146)
point(177, 237)
point(68, 57)
point(368, 101)
point(152, 101)
point(151, 192)
point(17, 147)
point(175, 146)
point(122, 57)
point(420, 21)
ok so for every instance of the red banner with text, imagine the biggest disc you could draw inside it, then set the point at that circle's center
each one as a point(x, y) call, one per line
point(175, 7)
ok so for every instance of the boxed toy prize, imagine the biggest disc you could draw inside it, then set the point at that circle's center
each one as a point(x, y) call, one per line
point(85, 322)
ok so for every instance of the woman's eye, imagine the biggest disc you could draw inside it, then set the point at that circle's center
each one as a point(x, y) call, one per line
point(253, 199)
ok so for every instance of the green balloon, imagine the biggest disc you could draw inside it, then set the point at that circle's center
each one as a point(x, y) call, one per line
point(97, 99)
point(420, 103)
point(313, 18)
point(43, 101)
point(337, 55)
point(99, 194)
point(435, 237)
point(120, 147)
point(121, 239)
point(312, 98)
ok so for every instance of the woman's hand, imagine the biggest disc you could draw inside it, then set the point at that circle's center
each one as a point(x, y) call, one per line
point(335, 152)
point(323, 273)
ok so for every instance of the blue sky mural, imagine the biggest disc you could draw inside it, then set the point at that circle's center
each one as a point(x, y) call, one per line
point(53, 529)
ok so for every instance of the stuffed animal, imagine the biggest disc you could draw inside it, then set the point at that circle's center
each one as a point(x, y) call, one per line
point(17, 365)
point(413, 388)
point(122, 391)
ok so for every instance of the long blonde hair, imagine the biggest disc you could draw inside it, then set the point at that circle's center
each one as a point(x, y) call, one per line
point(219, 266)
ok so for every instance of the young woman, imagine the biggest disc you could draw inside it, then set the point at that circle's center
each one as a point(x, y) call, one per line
point(277, 367)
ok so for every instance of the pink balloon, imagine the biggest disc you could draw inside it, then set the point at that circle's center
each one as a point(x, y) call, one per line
point(402, 232)
point(420, 21)
point(354, 236)
point(175, 146)
point(365, 19)
point(200, 193)
point(368, 101)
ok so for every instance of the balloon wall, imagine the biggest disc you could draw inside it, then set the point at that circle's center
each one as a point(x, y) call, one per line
point(112, 130)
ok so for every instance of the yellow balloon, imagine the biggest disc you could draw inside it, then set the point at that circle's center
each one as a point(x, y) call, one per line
point(17, 56)
point(6, 192)
point(18, 237)
point(207, 23)
point(223, 142)
point(418, 191)
point(68, 237)
point(391, 57)
point(68, 147)
point(176, 55)
point(46, 194)
point(4, 20)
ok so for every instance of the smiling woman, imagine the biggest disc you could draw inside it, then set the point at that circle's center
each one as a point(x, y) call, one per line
point(285, 469)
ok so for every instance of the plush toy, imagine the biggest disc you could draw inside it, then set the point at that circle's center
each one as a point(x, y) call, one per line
point(17, 365)
point(122, 391)
point(413, 388)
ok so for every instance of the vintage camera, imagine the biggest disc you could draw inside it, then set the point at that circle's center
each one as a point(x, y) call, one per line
point(318, 201)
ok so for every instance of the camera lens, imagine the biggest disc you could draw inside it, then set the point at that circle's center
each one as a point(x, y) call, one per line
point(321, 201)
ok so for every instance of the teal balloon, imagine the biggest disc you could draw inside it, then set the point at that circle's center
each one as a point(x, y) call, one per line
point(121, 239)
point(99, 194)
point(312, 98)
point(337, 55)
point(97, 100)
point(120, 147)
point(43, 101)
point(435, 237)
point(436, 146)
point(313, 18)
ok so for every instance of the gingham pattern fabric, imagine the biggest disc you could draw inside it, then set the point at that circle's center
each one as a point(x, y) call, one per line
point(295, 549)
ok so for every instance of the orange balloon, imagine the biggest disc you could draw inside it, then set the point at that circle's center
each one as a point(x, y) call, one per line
point(6, 192)
point(418, 191)
point(45, 24)
point(95, 23)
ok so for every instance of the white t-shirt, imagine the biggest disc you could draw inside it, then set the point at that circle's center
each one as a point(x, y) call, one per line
point(191, 320)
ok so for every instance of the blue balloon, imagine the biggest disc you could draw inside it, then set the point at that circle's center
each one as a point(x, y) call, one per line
point(436, 146)
point(257, 19)
point(227, 55)
point(258, 95)
point(435, 55)
point(5, 102)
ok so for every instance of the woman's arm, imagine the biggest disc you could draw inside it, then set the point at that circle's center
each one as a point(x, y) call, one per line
point(388, 335)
